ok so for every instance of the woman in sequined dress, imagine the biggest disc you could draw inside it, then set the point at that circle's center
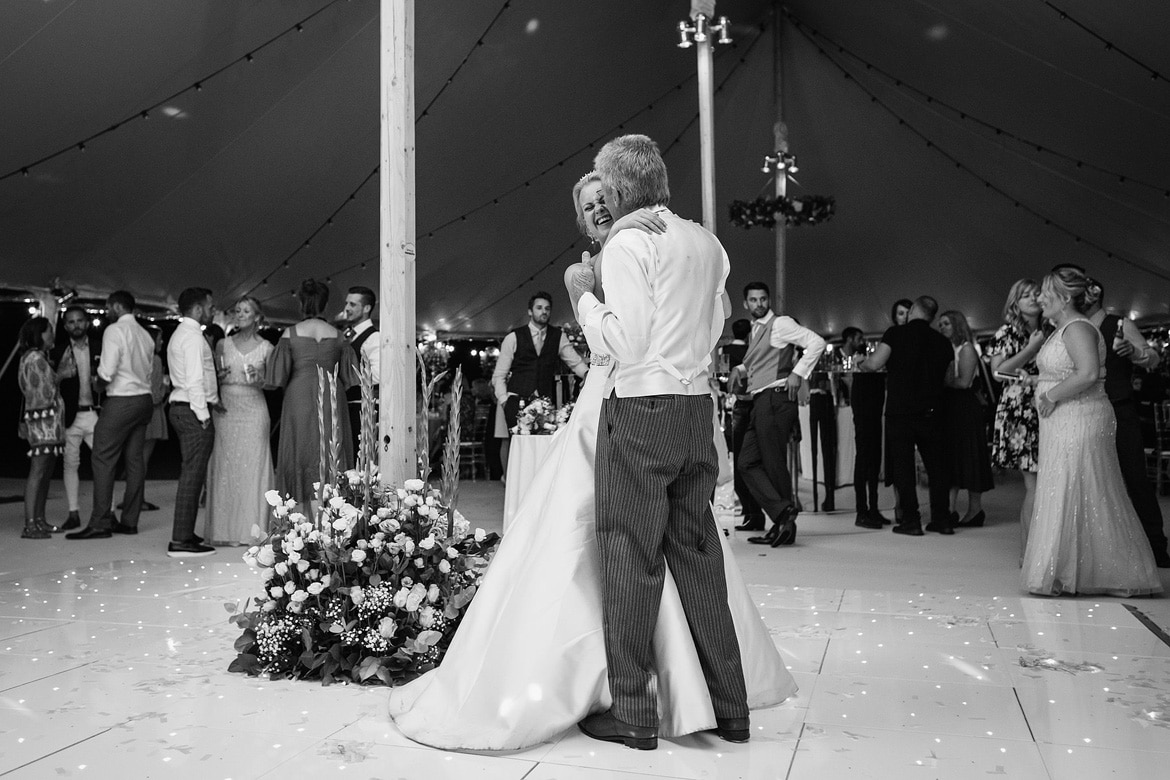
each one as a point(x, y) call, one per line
point(241, 463)
point(1015, 436)
point(528, 660)
point(1085, 536)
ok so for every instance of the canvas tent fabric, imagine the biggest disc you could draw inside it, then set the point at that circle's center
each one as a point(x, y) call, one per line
point(223, 185)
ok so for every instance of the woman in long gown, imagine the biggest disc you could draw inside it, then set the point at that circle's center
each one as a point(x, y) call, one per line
point(1085, 536)
point(528, 660)
point(241, 463)
point(969, 460)
point(303, 348)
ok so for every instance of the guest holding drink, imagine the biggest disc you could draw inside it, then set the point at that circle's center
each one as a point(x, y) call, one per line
point(241, 463)
point(42, 422)
point(968, 458)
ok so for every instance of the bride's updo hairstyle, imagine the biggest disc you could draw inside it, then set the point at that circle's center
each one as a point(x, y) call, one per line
point(580, 185)
point(1072, 284)
point(313, 297)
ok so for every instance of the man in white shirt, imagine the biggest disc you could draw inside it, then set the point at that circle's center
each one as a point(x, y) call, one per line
point(775, 379)
point(195, 393)
point(124, 372)
point(528, 363)
point(362, 334)
point(664, 309)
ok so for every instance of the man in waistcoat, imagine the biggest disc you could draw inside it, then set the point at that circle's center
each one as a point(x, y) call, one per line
point(77, 362)
point(530, 359)
point(775, 378)
point(362, 334)
point(1125, 347)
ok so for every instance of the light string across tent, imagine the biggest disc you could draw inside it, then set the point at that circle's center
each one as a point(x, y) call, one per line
point(196, 86)
point(1153, 73)
point(287, 261)
point(1048, 221)
point(1122, 178)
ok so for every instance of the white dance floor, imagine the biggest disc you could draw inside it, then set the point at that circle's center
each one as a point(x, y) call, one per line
point(119, 670)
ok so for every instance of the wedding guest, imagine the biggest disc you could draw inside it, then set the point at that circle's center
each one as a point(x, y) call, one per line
point(916, 358)
point(308, 345)
point(1085, 536)
point(195, 394)
point(77, 370)
point(41, 421)
point(240, 471)
point(1125, 347)
point(867, 397)
point(775, 378)
point(822, 424)
point(968, 458)
point(900, 311)
point(741, 418)
point(160, 389)
point(529, 360)
point(1015, 438)
point(362, 334)
point(124, 372)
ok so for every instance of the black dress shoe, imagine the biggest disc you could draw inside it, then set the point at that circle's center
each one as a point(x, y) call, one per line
point(189, 550)
point(908, 529)
point(733, 729)
point(89, 532)
point(767, 537)
point(787, 534)
point(938, 528)
point(71, 522)
point(122, 528)
point(751, 524)
point(976, 521)
point(607, 728)
point(879, 517)
point(865, 520)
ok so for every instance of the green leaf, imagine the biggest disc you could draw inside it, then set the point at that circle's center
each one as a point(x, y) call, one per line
point(429, 638)
point(246, 663)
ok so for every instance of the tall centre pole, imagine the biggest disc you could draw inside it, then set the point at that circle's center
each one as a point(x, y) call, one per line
point(707, 129)
point(780, 133)
point(397, 421)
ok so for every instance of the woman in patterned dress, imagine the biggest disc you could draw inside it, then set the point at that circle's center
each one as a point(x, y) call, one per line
point(41, 422)
point(1016, 436)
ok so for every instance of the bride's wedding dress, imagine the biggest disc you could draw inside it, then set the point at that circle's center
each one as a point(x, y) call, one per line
point(528, 660)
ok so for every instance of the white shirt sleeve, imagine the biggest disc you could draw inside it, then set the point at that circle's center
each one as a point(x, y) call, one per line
point(504, 367)
point(193, 345)
point(627, 290)
point(372, 349)
point(785, 331)
point(112, 348)
point(571, 357)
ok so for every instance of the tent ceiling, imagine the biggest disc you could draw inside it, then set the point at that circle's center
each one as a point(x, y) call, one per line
point(220, 186)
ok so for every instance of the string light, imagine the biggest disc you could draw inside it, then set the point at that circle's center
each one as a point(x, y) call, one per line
point(145, 112)
point(986, 183)
point(1122, 178)
point(1109, 46)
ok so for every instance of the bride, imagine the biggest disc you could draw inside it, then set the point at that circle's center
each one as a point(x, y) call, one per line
point(528, 660)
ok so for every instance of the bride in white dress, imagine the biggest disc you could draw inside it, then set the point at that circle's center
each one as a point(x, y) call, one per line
point(1085, 536)
point(528, 660)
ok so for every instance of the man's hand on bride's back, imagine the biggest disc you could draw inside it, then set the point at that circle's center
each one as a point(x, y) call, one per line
point(580, 278)
point(642, 219)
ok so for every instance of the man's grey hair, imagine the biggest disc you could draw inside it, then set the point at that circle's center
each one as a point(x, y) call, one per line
point(632, 167)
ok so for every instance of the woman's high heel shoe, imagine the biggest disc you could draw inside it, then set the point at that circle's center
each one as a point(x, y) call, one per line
point(976, 521)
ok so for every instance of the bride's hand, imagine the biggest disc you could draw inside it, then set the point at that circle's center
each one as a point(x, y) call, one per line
point(642, 219)
point(579, 278)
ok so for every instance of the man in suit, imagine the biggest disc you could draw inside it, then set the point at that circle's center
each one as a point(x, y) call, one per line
point(775, 378)
point(362, 334)
point(123, 372)
point(664, 309)
point(77, 362)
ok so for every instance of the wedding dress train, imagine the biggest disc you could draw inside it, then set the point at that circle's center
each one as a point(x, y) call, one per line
point(528, 660)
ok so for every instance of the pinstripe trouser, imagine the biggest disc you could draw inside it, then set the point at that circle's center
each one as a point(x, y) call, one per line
point(195, 443)
point(656, 470)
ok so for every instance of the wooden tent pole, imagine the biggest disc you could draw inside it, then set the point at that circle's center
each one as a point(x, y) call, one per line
point(707, 130)
point(780, 133)
point(397, 415)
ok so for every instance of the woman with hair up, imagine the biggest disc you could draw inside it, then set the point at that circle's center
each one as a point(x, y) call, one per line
point(1015, 438)
point(42, 421)
point(241, 463)
point(303, 348)
point(1085, 536)
point(968, 459)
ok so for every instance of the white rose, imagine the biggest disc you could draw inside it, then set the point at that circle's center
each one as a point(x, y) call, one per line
point(400, 598)
point(290, 503)
point(411, 500)
point(401, 493)
point(426, 617)
point(383, 512)
point(362, 544)
point(269, 606)
point(289, 587)
point(357, 595)
point(313, 574)
point(353, 476)
point(298, 543)
point(433, 594)
point(296, 606)
point(269, 574)
point(408, 545)
point(315, 588)
point(430, 501)
point(419, 563)
point(340, 524)
point(280, 511)
point(326, 579)
point(444, 566)
point(452, 552)
point(294, 556)
point(415, 598)
point(276, 591)
point(266, 556)
point(480, 534)
point(302, 565)
point(281, 568)
point(336, 503)
point(414, 484)
point(427, 543)
point(273, 498)
point(298, 596)
point(387, 627)
point(357, 556)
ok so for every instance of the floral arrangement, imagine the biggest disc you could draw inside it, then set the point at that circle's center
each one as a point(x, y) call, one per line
point(576, 337)
point(795, 211)
point(538, 417)
point(563, 414)
point(371, 587)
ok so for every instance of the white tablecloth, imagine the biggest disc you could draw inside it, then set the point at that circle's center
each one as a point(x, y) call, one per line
point(846, 448)
point(525, 456)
